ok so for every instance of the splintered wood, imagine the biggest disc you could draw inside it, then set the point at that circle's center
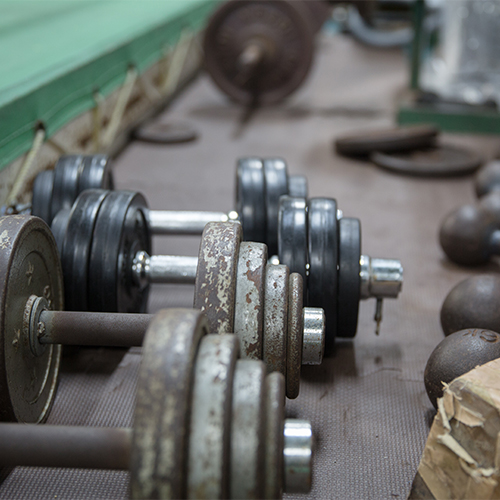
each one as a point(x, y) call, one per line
point(461, 458)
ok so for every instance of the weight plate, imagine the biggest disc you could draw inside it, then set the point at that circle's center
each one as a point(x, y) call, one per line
point(292, 234)
point(210, 425)
point(488, 178)
point(320, 11)
point(29, 265)
point(251, 198)
point(249, 305)
point(297, 186)
point(215, 285)
point(274, 442)
point(442, 161)
point(275, 318)
point(66, 176)
point(323, 242)
point(349, 279)
point(95, 173)
point(295, 338)
point(59, 226)
point(166, 133)
point(281, 30)
point(387, 140)
point(75, 255)
point(276, 182)
point(120, 232)
point(160, 436)
point(41, 200)
point(247, 430)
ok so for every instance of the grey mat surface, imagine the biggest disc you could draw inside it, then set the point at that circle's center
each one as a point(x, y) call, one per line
point(367, 405)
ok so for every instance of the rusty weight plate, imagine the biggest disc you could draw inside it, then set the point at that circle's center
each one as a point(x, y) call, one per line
point(215, 285)
point(295, 338)
point(281, 29)
point(164, 397)
point(29, 265)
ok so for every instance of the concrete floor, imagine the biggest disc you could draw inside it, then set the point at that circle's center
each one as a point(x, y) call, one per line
point(367, 405)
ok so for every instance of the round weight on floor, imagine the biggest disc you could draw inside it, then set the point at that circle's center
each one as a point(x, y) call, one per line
point(276, 182)
point(292, 234)
point(120, 232)
point(215, 285)
point(297, 186)
point(95, 173)
point(75, 255)
point(275, 318)
point(251, 199)
point(66, 177)
point(274, 442)
point(41, 200)
point(248, 430)
point(210, 425)
point(323, 243)
point(29, 266)
point(349, 279)
point(280, 32)
point(249, 307)
point(162, 413)
point(295, 337)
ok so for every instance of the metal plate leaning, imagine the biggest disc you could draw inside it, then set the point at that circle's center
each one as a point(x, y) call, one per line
point(29, 265)
point(215, 286)
point(210, 424)
point(249, 307)
point(275, 318)
point(164, 394)
point(349, 278)
point(41, 200)
point(323, 243)
point(295, 335)
point(247, 430)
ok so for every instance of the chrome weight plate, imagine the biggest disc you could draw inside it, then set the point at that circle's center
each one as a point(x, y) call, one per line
point(120, 232)
point(281, 34)
point(297, 186)
point(249, 308)
point(41, 200)
point(164, 400)
point(322, 281)
point(295, 337)
point(29, 265)
point(215, 285)
point(95, 173)
point(210, 424)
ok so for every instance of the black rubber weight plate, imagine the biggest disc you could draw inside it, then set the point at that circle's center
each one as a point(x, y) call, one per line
point(276, 181)
point(323, 241)
point(75, 255)
point(443, 161)
point(66, 176)
point(251, 199)
point(388, 140)
point(166, 133)
point(120, 232)
point(42, 195)
point(96, 173)
point(349, 279)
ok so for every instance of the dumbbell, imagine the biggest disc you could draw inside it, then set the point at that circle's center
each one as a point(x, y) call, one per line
point(206, 424)
point(259, 52)
point(316, 241)
point(261, 304)
point(259, 185)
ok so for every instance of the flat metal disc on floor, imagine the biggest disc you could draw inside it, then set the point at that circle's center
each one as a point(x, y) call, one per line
point(41, 201)
point(349, 279)
point(29, 265)
point(96, 173)
point(166, 133)
point(66, 177)
point(442, 161)
point(249, 308)
point(387, 140)
point(208, 463)
point(294, 342)
point(322, 281)
point(276, 181)
point(75, 255)
point(292, 234)
point(215, 286)
point(251, 199)
point(120, 232)
point(162, 412)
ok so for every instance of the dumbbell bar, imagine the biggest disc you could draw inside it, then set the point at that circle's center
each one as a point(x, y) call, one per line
point(259, 185)
point(221, 416)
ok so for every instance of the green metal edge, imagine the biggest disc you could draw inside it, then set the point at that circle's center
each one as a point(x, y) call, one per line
point(58, 102)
